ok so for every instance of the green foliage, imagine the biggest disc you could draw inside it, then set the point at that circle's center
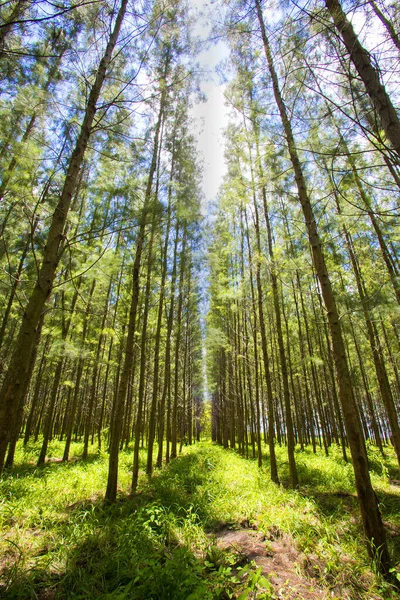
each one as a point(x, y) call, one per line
point(153, 546)
point(163, 543)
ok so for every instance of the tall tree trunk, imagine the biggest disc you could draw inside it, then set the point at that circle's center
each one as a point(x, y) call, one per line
point(93, 386)
point(386, 23)
point(115, 431)
point(14, 288)
point(167, 361)
point(372, 522)
point(36, 394)
point(257, 420)
point(264, 346)
point(294, 481)
point(143, 349)
point(20, 412)
point(178, 327)
point(374, 342)
point(367, 72)
point(153, 407)
point(56, 381)
point(18, 370)
point(79, 372)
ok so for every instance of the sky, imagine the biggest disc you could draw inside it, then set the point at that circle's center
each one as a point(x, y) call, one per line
point(210, 117)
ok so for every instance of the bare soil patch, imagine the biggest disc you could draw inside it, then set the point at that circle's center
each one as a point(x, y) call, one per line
point(278, 558)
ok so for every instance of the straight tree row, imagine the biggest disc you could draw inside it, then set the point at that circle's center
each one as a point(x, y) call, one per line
point(303, 340)
point(100, 335)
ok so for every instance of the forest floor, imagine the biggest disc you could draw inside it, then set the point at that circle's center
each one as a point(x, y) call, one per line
point(209, 525)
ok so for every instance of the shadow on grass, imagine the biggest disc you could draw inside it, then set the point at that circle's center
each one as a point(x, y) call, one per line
point(332, 490)
point(152, 546)
point(382, 466)
point(131, 554)
point(31, 467)
point(141, 547)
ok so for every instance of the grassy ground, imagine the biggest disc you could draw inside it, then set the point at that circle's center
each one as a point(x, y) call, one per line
point(58, 539)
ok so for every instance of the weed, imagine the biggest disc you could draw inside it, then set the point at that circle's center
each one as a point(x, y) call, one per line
point(61, 541)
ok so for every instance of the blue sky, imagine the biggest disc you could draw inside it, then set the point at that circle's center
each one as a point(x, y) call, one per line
point(210, 116)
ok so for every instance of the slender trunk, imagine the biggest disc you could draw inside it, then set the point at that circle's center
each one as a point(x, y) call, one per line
point(36, 395)
point(256, 420)
point(178, 327)
point(309, 410)
point(77, 390)
point(389, 261)
point(18, 370)
point(14, 433)
point(367, 72)
point(115, 431)
point(167, 361)
point(153, 407)
point(14, 288)
point(143, 348)
point(368, 397)
point(93, 386)
point(294, 481)
point(372, 521)
point(386, 23)
point(374, 342)
point(264, 346)
point(56, 382)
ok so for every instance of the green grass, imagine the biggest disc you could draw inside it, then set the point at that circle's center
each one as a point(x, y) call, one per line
point(58, 539)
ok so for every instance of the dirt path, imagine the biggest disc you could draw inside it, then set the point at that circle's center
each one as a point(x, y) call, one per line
point(278, 558)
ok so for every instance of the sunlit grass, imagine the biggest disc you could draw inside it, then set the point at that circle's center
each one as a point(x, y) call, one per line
point(57, 533)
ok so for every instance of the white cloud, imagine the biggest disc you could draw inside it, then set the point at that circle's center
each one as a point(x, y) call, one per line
point(211, 116)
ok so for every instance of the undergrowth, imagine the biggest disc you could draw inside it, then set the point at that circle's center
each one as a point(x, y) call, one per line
point(59, 540)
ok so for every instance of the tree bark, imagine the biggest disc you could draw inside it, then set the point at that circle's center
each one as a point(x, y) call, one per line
point(18, 371)
point(115, 431)
point(372, 522)
point(56, 382)
point(143, 348)
point(167, 361)
point(386, 23)
point(367, 72)
point(153, 407)
point(79, 372)
point(178, 327)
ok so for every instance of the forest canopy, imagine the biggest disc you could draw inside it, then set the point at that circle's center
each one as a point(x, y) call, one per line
point(138, 314)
